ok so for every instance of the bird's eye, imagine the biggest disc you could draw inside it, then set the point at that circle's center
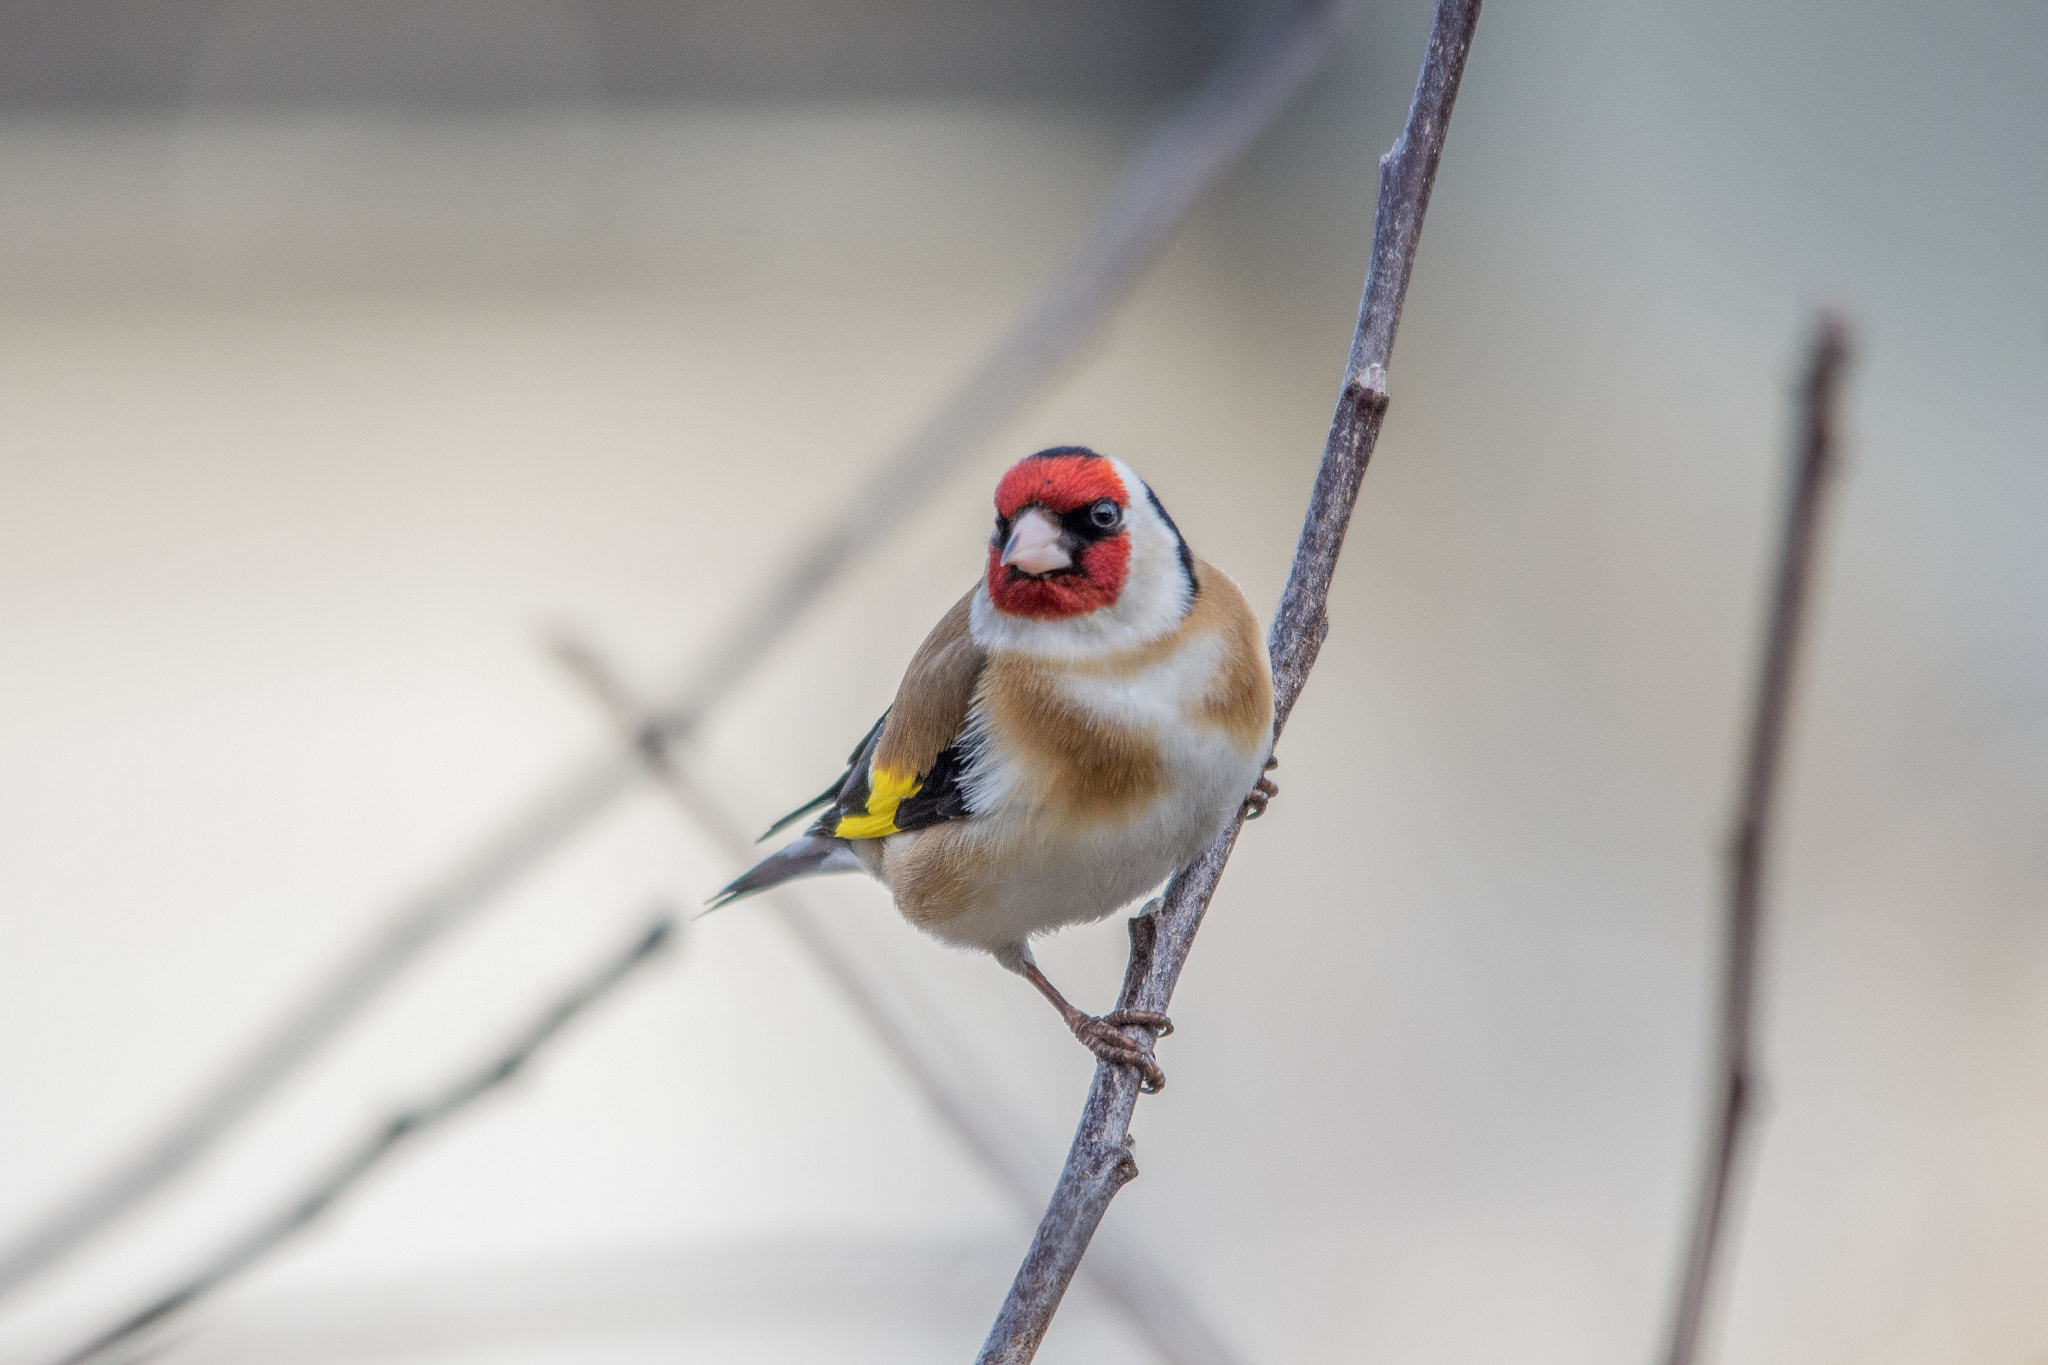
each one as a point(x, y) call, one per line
point(1002, 529)
point(1105, 515)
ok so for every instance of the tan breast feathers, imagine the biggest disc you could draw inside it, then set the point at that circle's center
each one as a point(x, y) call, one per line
point(1089, 768)
point(1083, 768)
point(1240, 701)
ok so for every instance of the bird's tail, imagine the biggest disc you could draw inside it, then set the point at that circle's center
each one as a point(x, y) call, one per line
point(810, 856)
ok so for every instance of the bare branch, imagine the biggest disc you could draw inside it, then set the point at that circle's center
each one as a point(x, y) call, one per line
point(1159, 186)
point(330, 1187)
point(1739, 1072)
point(990, 1133)
point(1099, 1163)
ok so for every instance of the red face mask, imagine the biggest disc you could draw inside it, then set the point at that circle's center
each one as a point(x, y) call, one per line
point(1062, 485)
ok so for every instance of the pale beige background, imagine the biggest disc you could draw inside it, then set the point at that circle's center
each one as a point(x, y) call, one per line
point(315, 421)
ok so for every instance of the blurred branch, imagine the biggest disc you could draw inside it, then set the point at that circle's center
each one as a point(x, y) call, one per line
point(409, 1123)
point(1208, 133)
point(1099, 1163)
point(1748, 847)
point(1132, 1282)
point(1160, 185)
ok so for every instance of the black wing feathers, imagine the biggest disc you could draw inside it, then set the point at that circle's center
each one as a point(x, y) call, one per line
point(943, 796)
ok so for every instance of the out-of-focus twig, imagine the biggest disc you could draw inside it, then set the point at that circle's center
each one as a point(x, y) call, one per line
point(322, 1194)
point(991, 1134)
point(1738, 1070)
point(1167, 175)
point(1099, 1163)
point(1205, 135)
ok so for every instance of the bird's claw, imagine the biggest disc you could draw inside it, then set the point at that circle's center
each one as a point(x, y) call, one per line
point(1160, 1025)
point(1255, 804)
point(1105, 1037)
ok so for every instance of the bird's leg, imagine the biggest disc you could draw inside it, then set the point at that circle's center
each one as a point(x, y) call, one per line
point(1104, 1035)
point(1255, 804)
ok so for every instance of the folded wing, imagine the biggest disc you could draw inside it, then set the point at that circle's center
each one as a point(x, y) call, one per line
point(910, 771)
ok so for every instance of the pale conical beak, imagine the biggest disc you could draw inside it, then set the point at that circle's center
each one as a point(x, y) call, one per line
point(1035, 544)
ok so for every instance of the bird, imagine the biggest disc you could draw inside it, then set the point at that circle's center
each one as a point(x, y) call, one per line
point(1083, 722)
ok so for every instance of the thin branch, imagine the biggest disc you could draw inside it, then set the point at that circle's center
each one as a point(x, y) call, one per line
point(1159, 187)
point(1099, 1163)
point(989, 1132)
point(1739, 1071)
point(410, 1123)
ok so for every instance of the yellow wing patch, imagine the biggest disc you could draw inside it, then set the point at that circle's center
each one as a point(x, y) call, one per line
point(887, 790)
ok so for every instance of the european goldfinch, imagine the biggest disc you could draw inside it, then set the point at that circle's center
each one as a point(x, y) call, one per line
point(1082, 723)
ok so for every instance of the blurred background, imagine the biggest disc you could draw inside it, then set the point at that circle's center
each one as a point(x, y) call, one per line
point(348, 348)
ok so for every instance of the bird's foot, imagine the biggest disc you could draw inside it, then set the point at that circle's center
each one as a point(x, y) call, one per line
point(1105, 1036)
point(1255, 804)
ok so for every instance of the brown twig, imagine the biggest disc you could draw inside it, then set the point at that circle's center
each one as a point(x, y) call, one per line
point(1738, 1072)
point(409, 1123)
point(1203, 137)
point(1099, 1163)
point(985, 1129)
